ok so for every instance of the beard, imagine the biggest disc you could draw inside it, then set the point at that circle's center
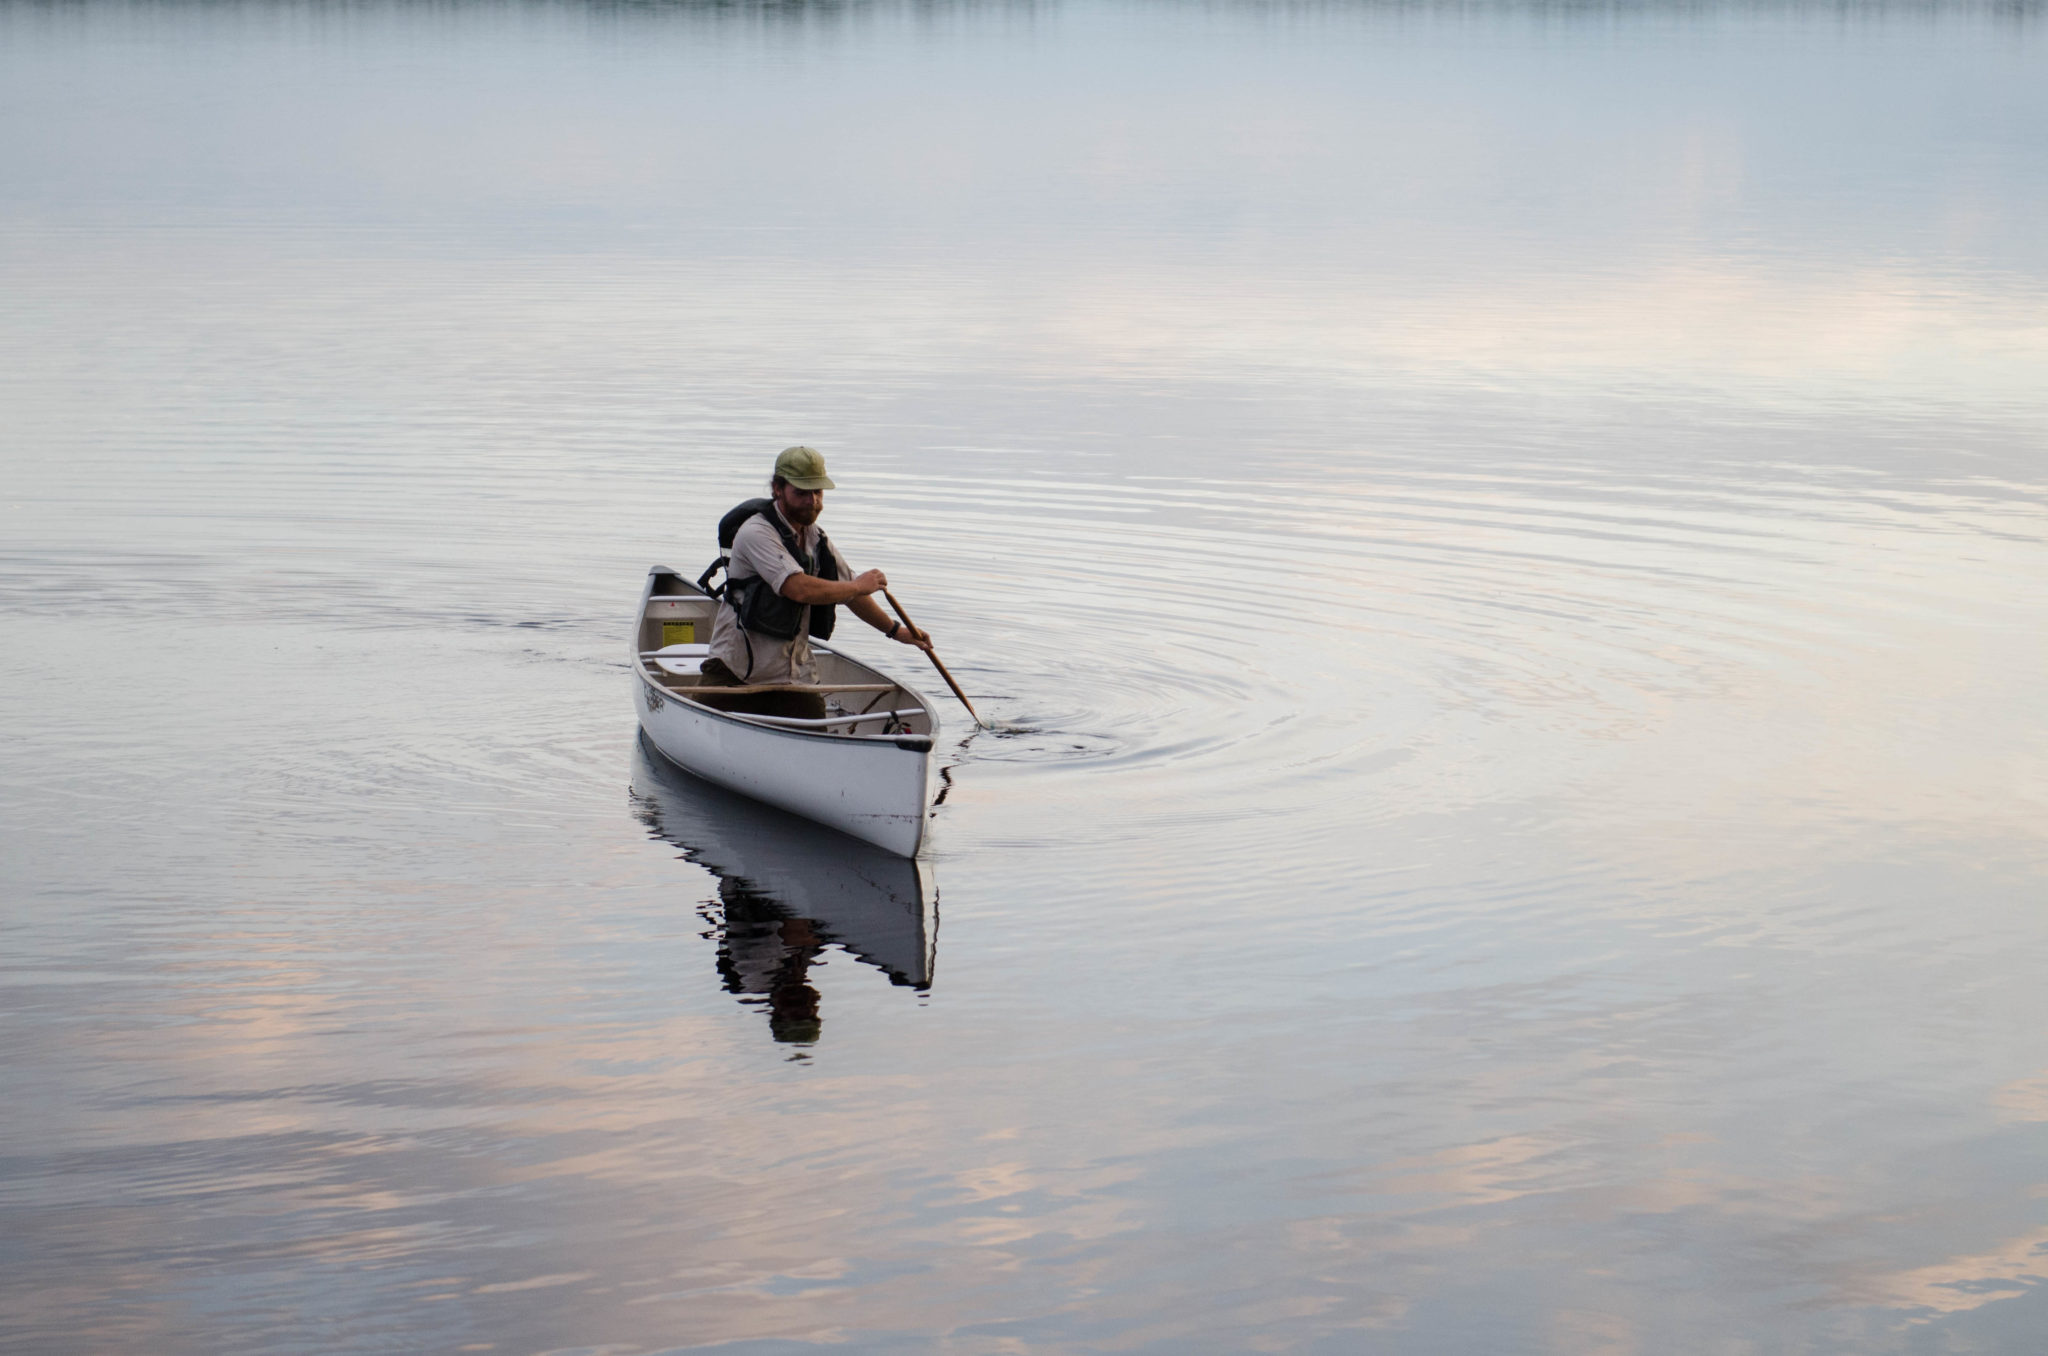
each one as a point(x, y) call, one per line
point(801, 515)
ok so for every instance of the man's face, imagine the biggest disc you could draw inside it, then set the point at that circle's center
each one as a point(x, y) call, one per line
point(801, 507)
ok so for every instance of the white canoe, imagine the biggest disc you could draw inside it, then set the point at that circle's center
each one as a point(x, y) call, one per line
point(865, 769)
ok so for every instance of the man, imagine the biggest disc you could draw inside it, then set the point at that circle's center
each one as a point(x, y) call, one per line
point(781, 568)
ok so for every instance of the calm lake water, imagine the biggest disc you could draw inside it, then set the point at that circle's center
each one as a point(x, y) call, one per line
point(1514, 538)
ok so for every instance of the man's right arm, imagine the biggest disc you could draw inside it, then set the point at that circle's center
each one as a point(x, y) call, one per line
point(808, 588)
point(757, 550)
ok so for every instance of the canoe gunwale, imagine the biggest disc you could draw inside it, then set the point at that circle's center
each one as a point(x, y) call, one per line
point(742, 718)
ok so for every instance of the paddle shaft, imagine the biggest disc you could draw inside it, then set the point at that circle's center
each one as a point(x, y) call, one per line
point(934, 656)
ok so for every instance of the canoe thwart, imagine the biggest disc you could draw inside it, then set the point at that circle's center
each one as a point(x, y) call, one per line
point(799, 723)
point(821, 688)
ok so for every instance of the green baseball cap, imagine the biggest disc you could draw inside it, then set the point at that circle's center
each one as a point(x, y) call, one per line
point(803, 467)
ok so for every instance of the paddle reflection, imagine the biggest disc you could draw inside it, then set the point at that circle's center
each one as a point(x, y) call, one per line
point(787, 890)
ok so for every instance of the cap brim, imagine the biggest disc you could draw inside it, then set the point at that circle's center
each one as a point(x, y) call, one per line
point(811, 483)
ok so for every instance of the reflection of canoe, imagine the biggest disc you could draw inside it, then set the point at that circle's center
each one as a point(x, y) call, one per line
point(775, 870)
point(864, 767)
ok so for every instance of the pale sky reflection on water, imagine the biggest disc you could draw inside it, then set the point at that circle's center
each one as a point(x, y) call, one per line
point(1518, 533)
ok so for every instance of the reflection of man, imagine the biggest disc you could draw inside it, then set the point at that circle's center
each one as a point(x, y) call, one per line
point(782, 567)
point(765, 953)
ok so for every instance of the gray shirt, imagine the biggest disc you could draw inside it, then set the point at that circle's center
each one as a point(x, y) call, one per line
point(757, 552)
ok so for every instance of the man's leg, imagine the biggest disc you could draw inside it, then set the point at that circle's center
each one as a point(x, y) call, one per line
point(783, 702)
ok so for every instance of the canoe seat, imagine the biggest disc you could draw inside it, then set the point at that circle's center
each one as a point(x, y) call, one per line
point(683, 661)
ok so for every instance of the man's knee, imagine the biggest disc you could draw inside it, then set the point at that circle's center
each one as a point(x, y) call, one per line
point(716, 674)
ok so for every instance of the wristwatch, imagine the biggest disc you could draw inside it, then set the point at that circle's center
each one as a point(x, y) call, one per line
point(894, 627)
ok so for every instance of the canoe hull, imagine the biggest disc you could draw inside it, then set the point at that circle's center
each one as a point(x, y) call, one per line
point(875, 789)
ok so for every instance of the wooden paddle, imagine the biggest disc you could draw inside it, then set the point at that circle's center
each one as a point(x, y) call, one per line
point(934, 654)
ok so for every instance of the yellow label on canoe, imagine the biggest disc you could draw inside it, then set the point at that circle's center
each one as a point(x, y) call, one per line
point(679, 633)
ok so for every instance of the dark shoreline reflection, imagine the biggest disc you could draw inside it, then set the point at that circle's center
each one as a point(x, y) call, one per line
point(833, 12)
point(787, 890)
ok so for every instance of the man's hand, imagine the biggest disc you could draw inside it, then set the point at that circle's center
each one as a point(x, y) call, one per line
point(869, 581)
point(910, 635)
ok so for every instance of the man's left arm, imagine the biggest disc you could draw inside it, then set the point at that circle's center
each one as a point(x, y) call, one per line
point(870, 612)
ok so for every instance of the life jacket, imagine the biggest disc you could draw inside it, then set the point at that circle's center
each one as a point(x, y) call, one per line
point(761, 608)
